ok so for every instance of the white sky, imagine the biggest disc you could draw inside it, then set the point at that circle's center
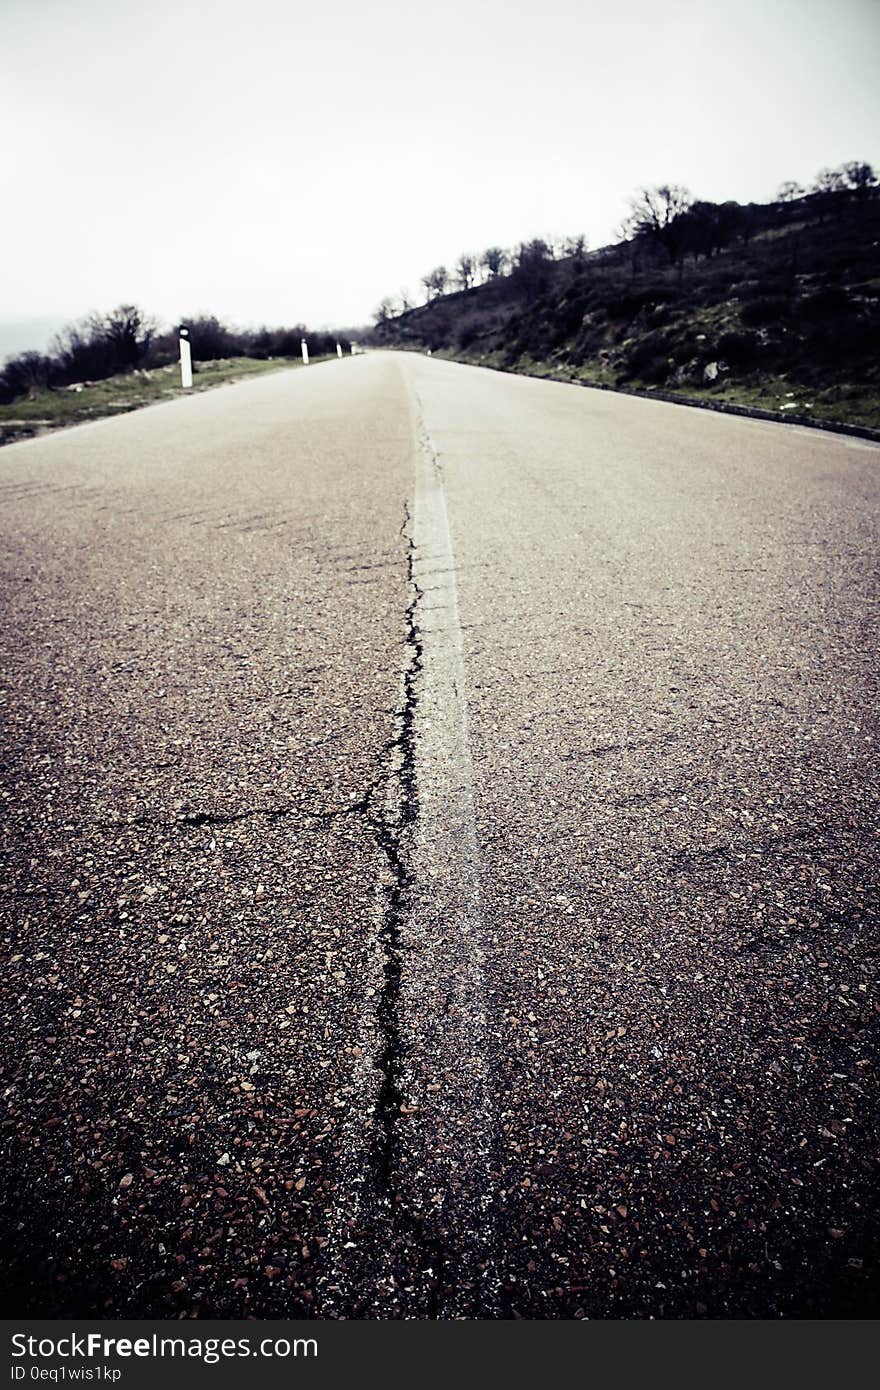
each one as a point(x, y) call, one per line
point(282, 161)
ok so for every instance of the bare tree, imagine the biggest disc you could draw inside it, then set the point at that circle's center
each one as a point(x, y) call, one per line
point(789, 192)
point(829, 181)
point(827, 188)
point(531, 266)
point(495, 261)
point(860, 177)
point(656, 216)
point(464, 270)
point(575, 246)
point(435, 281)
point(24, 375)
point(128, 331)
point(386, 310)
point(103, 344)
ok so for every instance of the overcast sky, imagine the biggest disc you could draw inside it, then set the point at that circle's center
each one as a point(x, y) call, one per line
point(273, 160)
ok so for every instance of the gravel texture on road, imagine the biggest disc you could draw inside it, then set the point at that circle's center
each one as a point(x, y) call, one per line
point(202, 661)
point(440, 871)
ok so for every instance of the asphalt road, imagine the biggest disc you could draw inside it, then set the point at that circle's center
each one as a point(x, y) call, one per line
point(438, 856)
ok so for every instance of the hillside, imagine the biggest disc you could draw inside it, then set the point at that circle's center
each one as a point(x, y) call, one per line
point(785, 317)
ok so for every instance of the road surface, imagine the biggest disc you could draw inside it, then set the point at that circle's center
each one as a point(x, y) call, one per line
point(439, 859)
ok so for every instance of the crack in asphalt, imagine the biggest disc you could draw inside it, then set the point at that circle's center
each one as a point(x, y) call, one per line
point(390, 807)
point(391, 836)
point(392, 824)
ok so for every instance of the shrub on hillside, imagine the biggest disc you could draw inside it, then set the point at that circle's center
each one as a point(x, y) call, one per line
point(826, 303)
point(627, 303)
point(209, 338)
point(738, 349)
point(21, 375)
point(648, 358)
point(103, 345)
point(859, 337)
point(659, 316)
point(759, 312)
point(656, 371)
point(765, 287)
point(569, 314)
point(684, 348)
point(534, 336)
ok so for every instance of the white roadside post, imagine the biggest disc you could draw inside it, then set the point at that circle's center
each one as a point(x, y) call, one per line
point(186, 369)
point(338, 349)
point(305, 350)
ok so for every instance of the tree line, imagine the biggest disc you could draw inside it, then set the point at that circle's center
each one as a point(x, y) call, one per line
point(665, 222)
point(670, 221)
point(127, 340)
point(525, 262)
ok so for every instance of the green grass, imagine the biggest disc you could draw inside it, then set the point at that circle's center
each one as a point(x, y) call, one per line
point(51, 410)
point(841, 403)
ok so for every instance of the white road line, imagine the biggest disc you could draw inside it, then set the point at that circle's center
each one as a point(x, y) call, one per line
point(420, 1241)
point(448, 1150)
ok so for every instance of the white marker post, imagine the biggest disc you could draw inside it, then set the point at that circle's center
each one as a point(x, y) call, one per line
point(305, 348)
point(338, 349)
point(186, 369)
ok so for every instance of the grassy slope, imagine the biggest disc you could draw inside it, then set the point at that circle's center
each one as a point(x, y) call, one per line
point(47, 410)
point(792, 319)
